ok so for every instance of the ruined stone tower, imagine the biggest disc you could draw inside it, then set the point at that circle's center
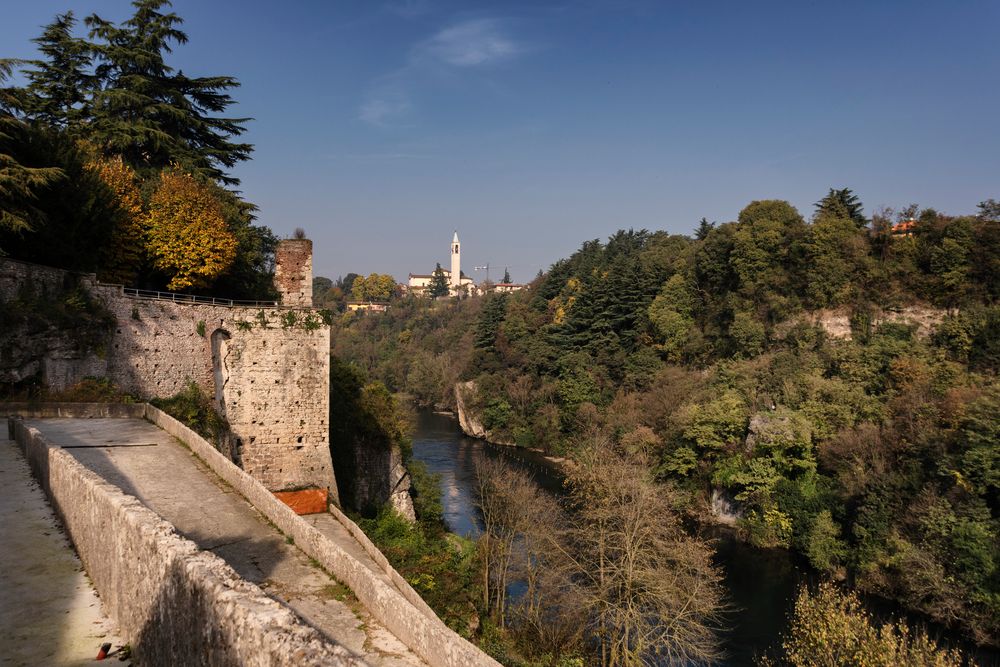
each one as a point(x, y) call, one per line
point(293, 272)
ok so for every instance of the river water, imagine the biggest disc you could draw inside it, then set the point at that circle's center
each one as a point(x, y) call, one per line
point(761, 582)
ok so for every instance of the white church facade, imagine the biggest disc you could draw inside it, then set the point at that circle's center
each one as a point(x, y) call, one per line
point(458, 283)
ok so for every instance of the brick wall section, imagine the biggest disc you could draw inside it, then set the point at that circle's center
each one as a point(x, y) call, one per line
point(293, 272)
point(175, 604)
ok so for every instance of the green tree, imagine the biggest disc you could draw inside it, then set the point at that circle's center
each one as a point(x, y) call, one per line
point(53, 209)
point(59, 85)
point(490, 318)
point(842, 203)
point(836, 258)
point(704, 227)
point(347, 282)
point(506, 276)
point(671, 315)
point(989, 210)
point(717, 424)
point(251, 275)
point(376, 287)
point(767, 256)
point(439, 284)
point(825, 549)
point(20, 184)
point(150, 114)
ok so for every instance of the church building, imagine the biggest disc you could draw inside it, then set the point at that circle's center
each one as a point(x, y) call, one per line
point(458, 283)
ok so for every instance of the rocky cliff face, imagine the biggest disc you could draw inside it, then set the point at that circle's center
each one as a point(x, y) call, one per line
point(837, 323)
point(469, 420)
point(465, 394)
point(370, 473)
point(53, 332)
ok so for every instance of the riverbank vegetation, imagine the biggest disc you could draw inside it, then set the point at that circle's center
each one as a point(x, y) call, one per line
point(831, 627)
point(609, 575)
point(112, 161)
point(830, 384)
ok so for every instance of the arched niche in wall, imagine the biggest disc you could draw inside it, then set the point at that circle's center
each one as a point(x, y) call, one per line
point(220, 371)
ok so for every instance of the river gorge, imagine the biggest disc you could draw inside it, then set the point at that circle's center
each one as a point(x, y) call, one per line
point(761, 583)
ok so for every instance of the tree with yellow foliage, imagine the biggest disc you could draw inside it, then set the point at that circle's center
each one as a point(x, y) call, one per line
point(124, 254)
point(187, 233)
point(831, 628)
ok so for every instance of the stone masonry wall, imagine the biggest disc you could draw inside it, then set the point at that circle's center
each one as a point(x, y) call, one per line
point(267, 368)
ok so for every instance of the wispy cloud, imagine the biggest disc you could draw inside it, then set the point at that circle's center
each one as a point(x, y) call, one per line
point(461, 46)
point(385, 107)
point(469, 44)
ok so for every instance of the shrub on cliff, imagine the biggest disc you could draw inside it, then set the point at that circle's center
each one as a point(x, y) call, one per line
point(192, 407)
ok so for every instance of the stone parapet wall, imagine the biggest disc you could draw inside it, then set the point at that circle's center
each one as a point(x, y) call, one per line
point(16, 275)
point(175, 604)
point(396, 605)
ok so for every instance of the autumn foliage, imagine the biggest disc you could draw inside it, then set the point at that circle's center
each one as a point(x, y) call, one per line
point(187, 233)
point(832, 628)
point(126, 250)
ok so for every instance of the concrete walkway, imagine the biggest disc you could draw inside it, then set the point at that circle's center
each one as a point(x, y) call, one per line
point(49, 612)
point(147, 463)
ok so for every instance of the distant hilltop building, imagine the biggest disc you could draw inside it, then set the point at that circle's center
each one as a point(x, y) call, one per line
point(904, 227)
point(508, 287)
point(458, 282)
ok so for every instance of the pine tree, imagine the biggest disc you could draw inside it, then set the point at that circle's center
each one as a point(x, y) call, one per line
point(439, 284)
point(20, 185)
point(704, 227)
point(489, 321)
point(151, 115)
point(842, 204)
point(59, 85)
point(506, 275)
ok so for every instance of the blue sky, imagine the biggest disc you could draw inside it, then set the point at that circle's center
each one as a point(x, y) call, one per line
point(530, 127)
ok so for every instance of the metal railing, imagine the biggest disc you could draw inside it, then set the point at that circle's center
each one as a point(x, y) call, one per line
point(191, 298)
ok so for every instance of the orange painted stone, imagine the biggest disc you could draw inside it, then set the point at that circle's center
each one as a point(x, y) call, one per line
point(306, 501)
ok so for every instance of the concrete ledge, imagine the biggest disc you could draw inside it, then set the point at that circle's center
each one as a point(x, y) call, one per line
point(397, 607)
point(177, 605)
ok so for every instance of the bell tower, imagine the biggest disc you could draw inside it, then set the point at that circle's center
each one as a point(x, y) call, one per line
point(456, 262)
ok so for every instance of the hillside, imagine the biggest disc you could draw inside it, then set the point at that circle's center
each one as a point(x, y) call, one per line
point(832, 381)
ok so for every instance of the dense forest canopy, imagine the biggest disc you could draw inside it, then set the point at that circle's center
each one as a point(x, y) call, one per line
point(113, 161)
point(834, 378)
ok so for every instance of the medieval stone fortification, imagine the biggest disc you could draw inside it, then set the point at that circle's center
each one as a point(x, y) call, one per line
point(266, 365)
